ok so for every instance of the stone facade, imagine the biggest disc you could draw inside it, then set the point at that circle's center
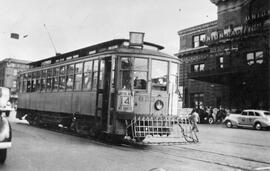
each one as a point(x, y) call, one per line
point(9, 69)
point(226, 62)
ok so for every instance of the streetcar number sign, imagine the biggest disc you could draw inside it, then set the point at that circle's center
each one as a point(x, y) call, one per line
point(125, 100)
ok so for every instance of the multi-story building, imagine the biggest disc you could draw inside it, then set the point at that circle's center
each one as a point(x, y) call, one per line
point(9, 68)
point(226, 62)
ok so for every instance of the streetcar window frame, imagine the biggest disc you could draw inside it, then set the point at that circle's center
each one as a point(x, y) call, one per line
point(78, 76)
point(129, 70)
point(95, 75)
point(87, 73)
point(125, 84)
point(156, 86)
point(55, 79)
point(49, 80)
point(70, 70)
point(143, 83)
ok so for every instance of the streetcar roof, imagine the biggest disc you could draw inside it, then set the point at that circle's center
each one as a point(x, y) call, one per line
point(86, 51)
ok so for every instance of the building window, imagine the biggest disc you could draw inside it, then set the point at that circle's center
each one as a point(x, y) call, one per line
point(14, 84)
point(15, 72)
point(255, 57)
point(197, 100)
point(220, 62)
point(198, 40)
point(197, 67)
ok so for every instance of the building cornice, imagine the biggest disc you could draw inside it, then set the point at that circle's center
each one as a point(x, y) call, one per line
point(198, 28)
point(191, 51)
point(216, 2)
point(229, 5)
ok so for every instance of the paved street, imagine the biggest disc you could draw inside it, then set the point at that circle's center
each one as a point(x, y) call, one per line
point(220, 148)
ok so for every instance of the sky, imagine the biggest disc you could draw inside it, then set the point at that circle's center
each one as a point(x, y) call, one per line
point(74, 24)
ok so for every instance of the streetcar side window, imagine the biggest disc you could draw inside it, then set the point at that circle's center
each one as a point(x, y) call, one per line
point(78, 76)
point(43, 80)
point(28, 85)
point(101, 74)
point(37, 80)
point(24, 83)
point(140, 73)
point(126, 73)
point(55, 82)
point(87, 75)
point(159, 75)
point(70, 77)
point(33, 84)
point(49, 80)
point(62, 78)
point(95, 75)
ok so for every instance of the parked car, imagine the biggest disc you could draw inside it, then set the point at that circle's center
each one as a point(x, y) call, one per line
point(257, 119)
point(5, 138)
point(205, 117)
point(5, 128)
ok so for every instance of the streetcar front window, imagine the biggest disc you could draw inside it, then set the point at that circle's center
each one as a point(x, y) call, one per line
point(140, 73)
point(126, 73)
point(159, 75)
point(126, 63)
point(174, 77)
point(125, 77)
point(140, 80)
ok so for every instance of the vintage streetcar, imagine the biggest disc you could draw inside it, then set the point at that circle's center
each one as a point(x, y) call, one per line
point(123, 89)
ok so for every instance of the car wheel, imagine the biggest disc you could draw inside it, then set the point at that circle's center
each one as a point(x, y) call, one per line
point(258, 126)
point(229, 124)
point(3, 155)
point(210, 120)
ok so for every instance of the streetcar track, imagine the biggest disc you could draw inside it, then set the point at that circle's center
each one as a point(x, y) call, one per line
point(226, 155)
point(248, 144)
point(205, 161)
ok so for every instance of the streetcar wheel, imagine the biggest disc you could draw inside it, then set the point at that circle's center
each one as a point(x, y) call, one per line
point(210, 120)
point(3, 155)
point(228, 124)
point(258, 126)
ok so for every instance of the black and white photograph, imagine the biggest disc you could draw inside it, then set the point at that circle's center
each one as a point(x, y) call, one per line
point(135, 85)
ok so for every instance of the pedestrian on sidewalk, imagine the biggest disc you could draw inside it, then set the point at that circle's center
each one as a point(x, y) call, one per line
point(194, 119)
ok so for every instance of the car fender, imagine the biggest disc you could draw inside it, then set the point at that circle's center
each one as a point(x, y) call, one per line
point(265, 123)
point(232, 119)
point(5, 131)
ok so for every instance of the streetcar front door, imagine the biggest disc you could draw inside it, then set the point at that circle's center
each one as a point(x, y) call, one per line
point(103, 92)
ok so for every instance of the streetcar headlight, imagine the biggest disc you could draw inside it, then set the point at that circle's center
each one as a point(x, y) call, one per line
point(159, 105)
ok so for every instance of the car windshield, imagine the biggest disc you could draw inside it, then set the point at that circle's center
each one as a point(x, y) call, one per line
point(267, 113)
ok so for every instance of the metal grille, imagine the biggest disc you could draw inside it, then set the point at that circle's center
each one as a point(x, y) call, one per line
point(160, 129)
point(154, 125)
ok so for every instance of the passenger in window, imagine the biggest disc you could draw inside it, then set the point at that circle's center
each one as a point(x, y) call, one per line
point(139, 83)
